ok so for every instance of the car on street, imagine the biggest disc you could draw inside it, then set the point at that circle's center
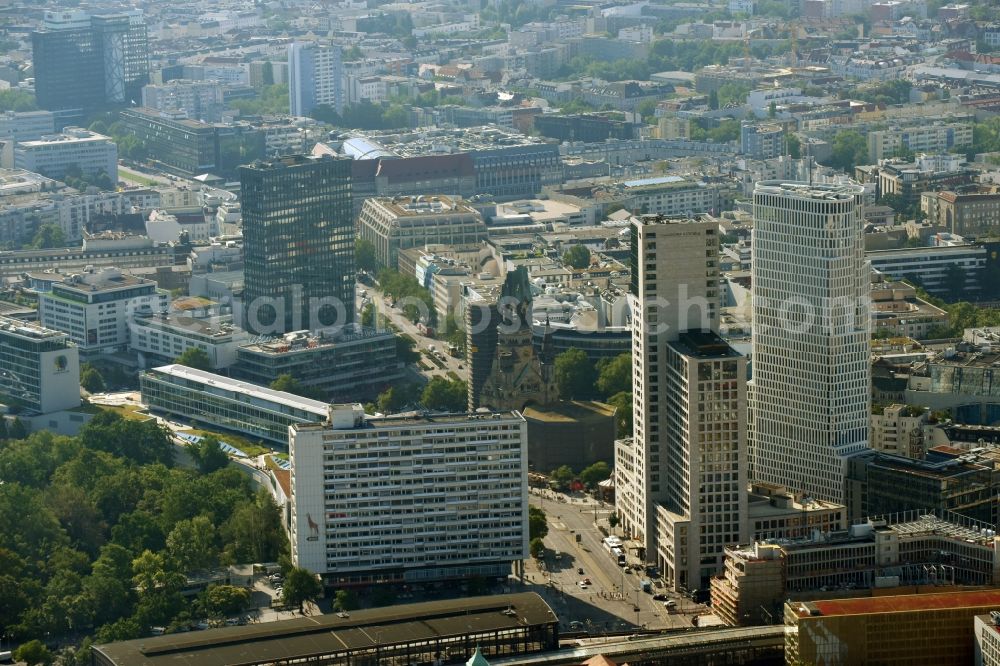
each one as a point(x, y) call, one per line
point(587, 581)
point(670, 605)
point(580, 570)
point(582, 584)
point(660, 597)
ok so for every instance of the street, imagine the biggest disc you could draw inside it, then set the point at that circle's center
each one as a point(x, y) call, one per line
point(609, 602)
point(386, 313)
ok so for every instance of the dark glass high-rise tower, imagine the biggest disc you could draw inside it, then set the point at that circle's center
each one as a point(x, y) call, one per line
point(85, 63)
point(298, 235)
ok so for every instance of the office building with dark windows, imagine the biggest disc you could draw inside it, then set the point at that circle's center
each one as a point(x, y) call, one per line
point(298, 244)
point(84, 63)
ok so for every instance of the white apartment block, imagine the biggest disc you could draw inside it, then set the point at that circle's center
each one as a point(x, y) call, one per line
point(399, 223)
point(811, 393)
point(159, 338)
point(681, 478)
point(741, 7)
point(94, 308)
point(672, 196)
point(938, 138)
point(315, 77)
point(409, 498)
point(366, 89)
point(26, 125)
point(53, 154)
point(636, 33)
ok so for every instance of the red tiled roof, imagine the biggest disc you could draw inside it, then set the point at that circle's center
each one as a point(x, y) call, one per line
point(909, 602)
point(599, 660)
point(947, 450)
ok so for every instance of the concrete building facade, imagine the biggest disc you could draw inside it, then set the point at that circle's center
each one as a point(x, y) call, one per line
point(409, 498)
point(94, 308)
point(399, 223)
point(39, 368)
point(315, 77)
point(54, 155)
point(811, 345)
point(680, 479)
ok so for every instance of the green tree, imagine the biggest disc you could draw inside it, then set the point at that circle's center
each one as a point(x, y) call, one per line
point(536, 547)
point(345, 600)
point(405, 349)
point(794, 145)
point(574, 374)
point(192, 544)
point(300, 586)
point(713, 100)
point(364, 255)
point(622, 402)
point(33, 653)
point(48, 236)
point(194, 357)
point(3, 428)
point(152, 572)
point(577, 256)
point(254, 533)
point(562, 477)
point(218, 601)
point(732, 94)
point(397, 397)
point(91, 379)
point(124, 629)
point(954, 280)
point(594, 474)
point(208, 455)
point(538, 526)
point(447, 395)
point(417, 301)
point(290, 384)
point(396, 117)
point(326, 114)
point(17, 429)
point(17, 100)
point(613, 521)
point(368, 315)
point(614, 375)
point(849, 149)
point(456, 333)
point(142, 441)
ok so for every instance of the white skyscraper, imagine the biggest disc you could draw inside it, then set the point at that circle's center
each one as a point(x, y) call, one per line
point(811, 393)
point(681, 479)
point(315, 77)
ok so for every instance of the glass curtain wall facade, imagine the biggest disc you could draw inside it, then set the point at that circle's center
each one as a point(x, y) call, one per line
point(298, 235)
